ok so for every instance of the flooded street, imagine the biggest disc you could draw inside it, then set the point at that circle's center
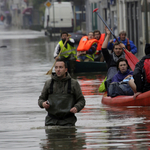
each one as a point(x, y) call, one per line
point(23, 65)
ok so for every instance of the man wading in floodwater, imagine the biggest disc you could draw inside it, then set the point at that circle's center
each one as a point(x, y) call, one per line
point(61, 97)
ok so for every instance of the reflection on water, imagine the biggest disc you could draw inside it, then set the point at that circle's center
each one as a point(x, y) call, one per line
point(23, 65)
point(63, 138)
point(90, 83)
point(129, 130)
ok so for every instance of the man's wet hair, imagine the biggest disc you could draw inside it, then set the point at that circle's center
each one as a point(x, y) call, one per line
point(60, 60)
point(64, 33)
point(116, 43)
point(120, 60)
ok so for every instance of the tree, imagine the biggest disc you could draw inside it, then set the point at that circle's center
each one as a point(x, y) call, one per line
point(37, 3)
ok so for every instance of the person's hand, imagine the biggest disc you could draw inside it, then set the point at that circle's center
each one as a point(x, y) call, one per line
point(107, 31)
point(67, 39)
point(136, 94)
point(78, 53)
point(83, 52)
point(56, 58)
point(46, 105)
point(128, 76)
point(73, 110)
point(111, 41)
point(122, 46)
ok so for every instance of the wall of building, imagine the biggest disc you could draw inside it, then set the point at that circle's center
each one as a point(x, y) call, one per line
point(119, 15)
point(15, 16)
point(93, 22)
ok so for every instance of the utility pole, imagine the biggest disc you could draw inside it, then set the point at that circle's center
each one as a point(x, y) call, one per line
point(146, 22)
point(48, 5)
point(54, 17)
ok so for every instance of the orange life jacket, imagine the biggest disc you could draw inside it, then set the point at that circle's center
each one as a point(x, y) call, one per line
point(85, 44)
point(100, 42)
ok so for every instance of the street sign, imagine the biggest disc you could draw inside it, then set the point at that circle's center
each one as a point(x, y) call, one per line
point(47, 4)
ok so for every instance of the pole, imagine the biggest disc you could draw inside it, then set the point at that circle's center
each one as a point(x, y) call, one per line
point(146, 22)
point(54, 18)
point(48, 18)
point(95, 10)
point(129, 56)
point(74, 21)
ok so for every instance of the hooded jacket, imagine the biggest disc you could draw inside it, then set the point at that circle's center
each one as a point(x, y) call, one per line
point(120, 76)
point(61, 86)
point(139, 76)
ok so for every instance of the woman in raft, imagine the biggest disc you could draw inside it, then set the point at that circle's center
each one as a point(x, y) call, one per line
point(119, 83)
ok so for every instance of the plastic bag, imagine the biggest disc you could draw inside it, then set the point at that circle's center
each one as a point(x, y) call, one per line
point(102, 87)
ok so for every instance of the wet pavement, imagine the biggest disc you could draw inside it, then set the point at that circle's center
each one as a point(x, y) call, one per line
point(23, 65)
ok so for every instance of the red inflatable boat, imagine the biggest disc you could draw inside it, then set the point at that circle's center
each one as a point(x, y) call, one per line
point(141, 100)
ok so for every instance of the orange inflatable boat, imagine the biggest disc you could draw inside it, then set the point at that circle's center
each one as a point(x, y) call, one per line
point(141, 100)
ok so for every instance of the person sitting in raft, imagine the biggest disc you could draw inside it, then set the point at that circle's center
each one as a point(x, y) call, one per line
point(122, 38)
point(141, 74)
point(87, 48)
point(100, 37)
point(68, 52)
point(119, 83)
point(112, 58)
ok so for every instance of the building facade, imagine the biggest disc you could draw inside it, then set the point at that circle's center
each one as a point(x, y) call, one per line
point(19, 13)
point(128, 15)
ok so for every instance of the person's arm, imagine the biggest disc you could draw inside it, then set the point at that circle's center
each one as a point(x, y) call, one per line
point(44, 97)
point(105, 43)
point(57, 50)
point(80, 100)
point(71, 42)
point(133, 47)
point(110, 45)
point(128, 76)
point(105, 51)
point(137, 76)
point(136, 94)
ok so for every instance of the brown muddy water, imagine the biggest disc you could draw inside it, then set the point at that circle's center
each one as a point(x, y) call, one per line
point(23, 64)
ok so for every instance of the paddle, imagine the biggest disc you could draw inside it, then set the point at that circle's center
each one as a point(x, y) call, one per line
point(50, 71)
point(132, 59)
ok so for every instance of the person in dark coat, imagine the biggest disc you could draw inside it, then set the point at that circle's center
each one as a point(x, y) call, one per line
point(61, 97)
point(140, 84)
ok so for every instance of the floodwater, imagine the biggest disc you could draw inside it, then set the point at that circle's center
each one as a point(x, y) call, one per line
point(23, 64)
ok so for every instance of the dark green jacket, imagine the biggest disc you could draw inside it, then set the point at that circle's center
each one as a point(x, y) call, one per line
point(61, 86)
